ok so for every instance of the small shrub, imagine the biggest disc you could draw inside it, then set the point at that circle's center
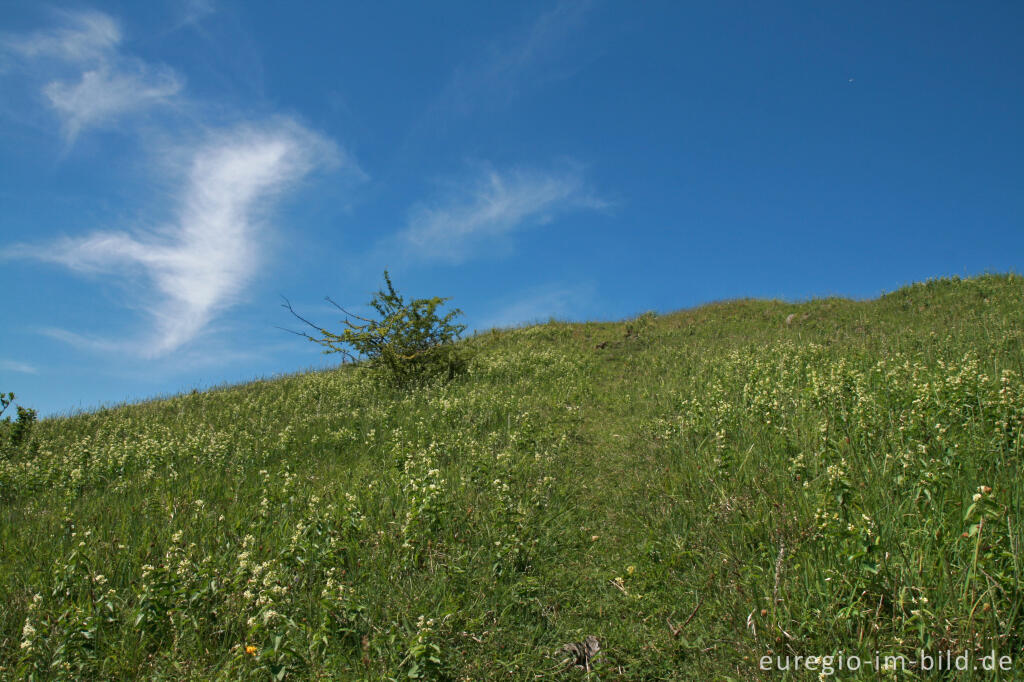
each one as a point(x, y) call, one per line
point(15, 433)
point(22, 428)
point(408, 342)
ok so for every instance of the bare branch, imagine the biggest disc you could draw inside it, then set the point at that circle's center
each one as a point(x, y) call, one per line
point(287, 305)
point(331, 301)
point(327, 339)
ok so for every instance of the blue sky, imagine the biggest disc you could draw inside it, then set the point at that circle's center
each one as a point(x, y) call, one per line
point(168, 170)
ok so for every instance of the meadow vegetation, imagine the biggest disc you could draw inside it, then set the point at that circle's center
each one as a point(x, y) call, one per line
point(696, 490)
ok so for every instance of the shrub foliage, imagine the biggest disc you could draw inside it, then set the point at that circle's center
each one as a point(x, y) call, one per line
point(15, 433)
point(407, 341)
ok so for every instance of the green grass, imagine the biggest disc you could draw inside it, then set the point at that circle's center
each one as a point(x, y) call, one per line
point(697, 490)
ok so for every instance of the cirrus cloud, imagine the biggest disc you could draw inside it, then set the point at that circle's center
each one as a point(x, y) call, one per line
point(105, 93)
point(15, 366)
point(492, 205)
point(186, 272)
point(81, 37)
point(108, 85)
point(198, 265)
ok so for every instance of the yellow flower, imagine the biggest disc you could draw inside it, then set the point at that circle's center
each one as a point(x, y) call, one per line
point(251, 650)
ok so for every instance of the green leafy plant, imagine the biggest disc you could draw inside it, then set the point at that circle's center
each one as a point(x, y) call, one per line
point(407, 341)
point(17, 432)
point(423, 657)
point(23, 425)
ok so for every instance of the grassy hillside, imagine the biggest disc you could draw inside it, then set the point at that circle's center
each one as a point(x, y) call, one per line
point(696, 490)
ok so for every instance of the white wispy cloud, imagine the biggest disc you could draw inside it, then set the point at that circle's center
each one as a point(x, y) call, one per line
point(15, 366)
point(540, 303)
point(81, 37)
point(195, 10)
point(109, 84)
point(490, 206)
point(105, 93)
point(186, 272)
point(518, 62)
point(199, 265)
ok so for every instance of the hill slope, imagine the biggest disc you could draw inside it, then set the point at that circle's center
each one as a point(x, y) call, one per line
point(696, 490)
